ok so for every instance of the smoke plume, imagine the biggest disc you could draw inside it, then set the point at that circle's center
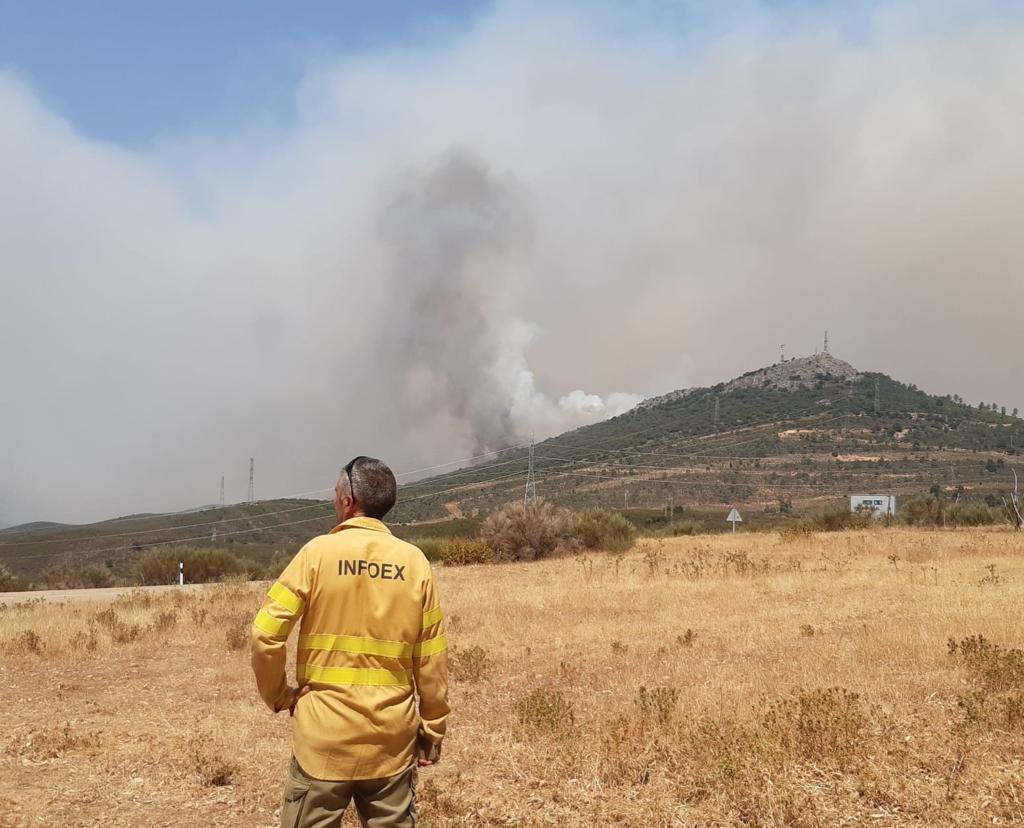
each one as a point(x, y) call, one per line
point(513, 231)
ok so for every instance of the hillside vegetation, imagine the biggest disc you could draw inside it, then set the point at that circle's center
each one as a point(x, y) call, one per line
point(791, 441)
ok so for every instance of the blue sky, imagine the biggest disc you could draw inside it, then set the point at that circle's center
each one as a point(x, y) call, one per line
point(131, 72)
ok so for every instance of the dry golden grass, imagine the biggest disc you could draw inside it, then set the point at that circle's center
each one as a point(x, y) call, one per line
point(744, 680)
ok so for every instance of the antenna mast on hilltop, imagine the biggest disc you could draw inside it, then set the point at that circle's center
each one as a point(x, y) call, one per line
point(252, 487)
point(531, 480)
point(826, 342)
point(782, 353)
point(222, 491)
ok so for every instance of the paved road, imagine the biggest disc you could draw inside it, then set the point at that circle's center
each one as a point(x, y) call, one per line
point(103, 593)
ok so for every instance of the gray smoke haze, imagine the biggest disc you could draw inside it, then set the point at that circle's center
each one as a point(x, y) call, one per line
point(448, 245)
point(457, 235)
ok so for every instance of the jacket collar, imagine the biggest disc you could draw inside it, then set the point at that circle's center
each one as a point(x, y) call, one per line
point(361, 522)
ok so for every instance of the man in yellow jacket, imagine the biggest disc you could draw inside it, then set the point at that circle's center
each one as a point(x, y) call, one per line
point(372, 674)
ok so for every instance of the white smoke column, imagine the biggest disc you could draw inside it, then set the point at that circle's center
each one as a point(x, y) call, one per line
point(460, 238)
point(535, 413)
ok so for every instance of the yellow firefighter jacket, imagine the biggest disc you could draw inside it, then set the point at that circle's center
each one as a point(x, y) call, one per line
point(370, 633)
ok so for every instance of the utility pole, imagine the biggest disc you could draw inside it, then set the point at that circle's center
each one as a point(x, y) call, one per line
point(222, 491)
point(252, 478)
point(531, 480)
point(952, 475)
point(782, 353)
point(826, 342)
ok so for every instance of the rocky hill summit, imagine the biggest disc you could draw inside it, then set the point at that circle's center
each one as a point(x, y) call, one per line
point(794, 374)
point(791, 375)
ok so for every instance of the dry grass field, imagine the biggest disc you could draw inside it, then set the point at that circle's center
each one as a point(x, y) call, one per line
point(729, 680)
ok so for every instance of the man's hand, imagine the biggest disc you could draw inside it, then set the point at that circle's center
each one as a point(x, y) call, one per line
point(428, 755)
point(297, 694)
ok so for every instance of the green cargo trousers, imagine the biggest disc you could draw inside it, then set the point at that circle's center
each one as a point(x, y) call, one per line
point(318, 803)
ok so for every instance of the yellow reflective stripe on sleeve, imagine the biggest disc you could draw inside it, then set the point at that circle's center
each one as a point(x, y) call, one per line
point(355, 644)
point(276, 627)
point(432, 646)
point(352, 675)
point(431, 617)
point(286, 598)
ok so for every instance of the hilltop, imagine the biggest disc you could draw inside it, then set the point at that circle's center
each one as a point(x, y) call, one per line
point(791, 375)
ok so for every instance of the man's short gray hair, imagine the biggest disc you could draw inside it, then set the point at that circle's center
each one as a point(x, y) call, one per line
point(373, 485)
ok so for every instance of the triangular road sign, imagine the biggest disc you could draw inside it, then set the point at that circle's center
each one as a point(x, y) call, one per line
point(734, 516)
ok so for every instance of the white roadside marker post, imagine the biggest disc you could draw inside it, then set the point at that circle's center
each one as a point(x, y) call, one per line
point(181, 573)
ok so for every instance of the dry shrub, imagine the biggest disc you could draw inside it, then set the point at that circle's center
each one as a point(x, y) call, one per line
point(995, 667)
point(237, 632)
point(604, 529)
point(86, 640)
point(527, 531)
point(136, 599)
point(211, 762)
point(27, 641)
point(826, 724)
point(464, 551)
point(799, 530)
point(998, 673)
point(119, 630)
point(165, 621)
point(544, 711)
point(470, 664)
point(657, 704)
point(52, 742)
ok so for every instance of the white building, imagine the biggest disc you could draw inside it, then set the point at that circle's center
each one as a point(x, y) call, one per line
point(878, 505)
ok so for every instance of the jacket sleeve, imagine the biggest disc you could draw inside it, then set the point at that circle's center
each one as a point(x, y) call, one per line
point(285, 603)
point(430, 671)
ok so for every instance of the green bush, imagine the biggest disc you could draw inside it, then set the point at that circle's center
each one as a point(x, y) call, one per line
point(9, 582)
point(937, 511)
point(604, 529)
point(273, 570)
point(67, 575)
point(160, 566)
point(464, 551)
point(686, 527)
point(839, 520)
point(431, 547)
point(527, 531)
